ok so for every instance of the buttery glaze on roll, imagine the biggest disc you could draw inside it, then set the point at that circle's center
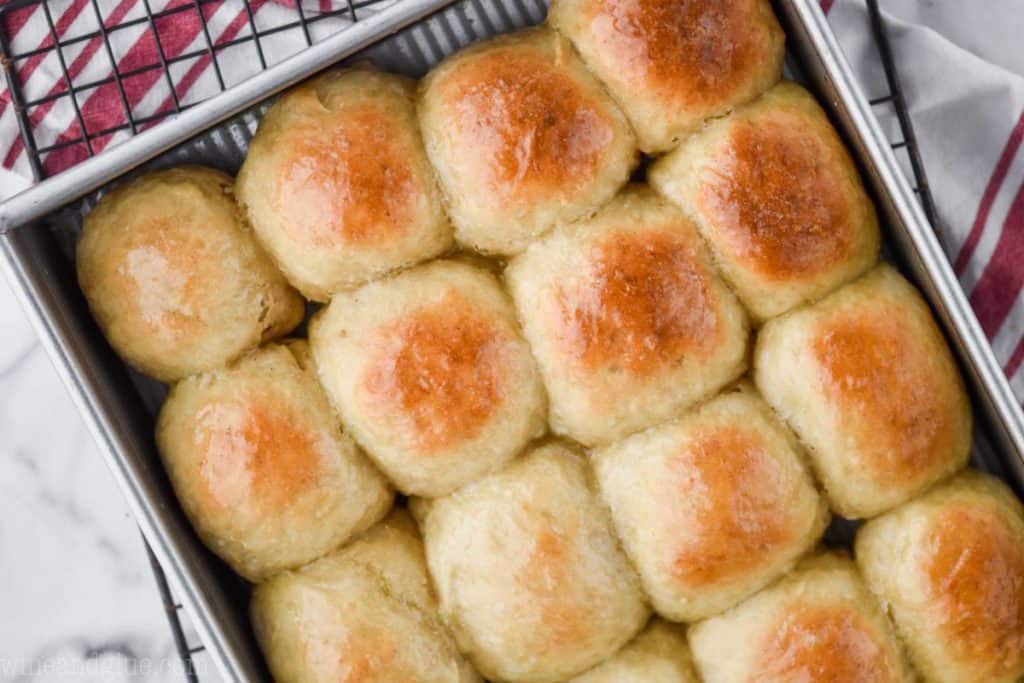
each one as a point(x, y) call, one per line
point(522, 137)
point(671, 64)
point(175, 280)
point(430, 375)
point(363, 614)
point(337, 185)
point(260, 464)
point(713, 507)
point(528, 573)
point(628, 321)
point(818, 624)
point(950, 565)
point(658, 655)
point(867, 382)
point(776, 195)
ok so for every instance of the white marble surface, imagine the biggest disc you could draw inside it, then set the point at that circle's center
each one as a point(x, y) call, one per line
point(79, 601)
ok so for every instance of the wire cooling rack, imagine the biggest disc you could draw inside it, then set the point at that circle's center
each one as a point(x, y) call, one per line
point(254, 36)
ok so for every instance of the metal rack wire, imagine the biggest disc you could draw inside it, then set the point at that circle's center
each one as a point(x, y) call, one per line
point(89, 139)
point(908, 142)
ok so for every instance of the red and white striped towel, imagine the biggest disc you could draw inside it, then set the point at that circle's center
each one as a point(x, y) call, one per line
point(962, 69)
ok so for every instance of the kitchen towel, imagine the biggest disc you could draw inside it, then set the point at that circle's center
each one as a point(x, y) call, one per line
point(961, 66)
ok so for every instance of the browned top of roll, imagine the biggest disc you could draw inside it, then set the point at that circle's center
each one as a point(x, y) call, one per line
point(444, 367)
point(872, 362)
point(646, 303)
point(548, 567)
point(349, 177)
point(729, 475)
point(162, 279)
point(540, 129)
point(254, 449)
point(974, 570)
point(826, 644)
point(161, 258)
point(782, 209)
point(689, 51)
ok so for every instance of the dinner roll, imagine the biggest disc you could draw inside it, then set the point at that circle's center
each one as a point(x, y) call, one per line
point(430, 375)
point(175, 279)
point(777, 196)
point(627, 319)
point(673, 63)
point(528, 573)
point(712, 507)
point(867, 382)
point(260, 464)
point(363, 614)
point(818, 624)
point(658, 655)
point(336, 183)
point(950, 565)
point(522, 137)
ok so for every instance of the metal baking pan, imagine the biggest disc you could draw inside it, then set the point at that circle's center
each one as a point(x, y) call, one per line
point(40, 226)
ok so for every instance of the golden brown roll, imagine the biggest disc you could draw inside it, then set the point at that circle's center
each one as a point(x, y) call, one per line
point(673, 63)
point(818, 624)
point(777, 197)
point(713, 507)
point(528, 573)
point(337, 185)
point(522, 137)
point(261, 466)
point(950, 566)
point(867, 382)
point(627, 319)
point(430, 375)
point(658, 655)
point(363, 614)
point(175, 279)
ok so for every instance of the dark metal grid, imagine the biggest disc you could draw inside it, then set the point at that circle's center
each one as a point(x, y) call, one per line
point(186, 652)
point(899, 103)
point(171, 607)
point(85, 135)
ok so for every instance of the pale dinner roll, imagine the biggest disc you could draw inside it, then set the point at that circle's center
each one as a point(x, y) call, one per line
point(529, 576)
point(627, 319)
point(713, 507)
point(777, 196)
point(337, 185)
point(658, 655)
point(671, 64)
point(950, 565)
point(522, 137)
point(363, 614)
point(819, 624)
point(867, 382)
point(430, 374)
point(261, 466)
point(174, 278)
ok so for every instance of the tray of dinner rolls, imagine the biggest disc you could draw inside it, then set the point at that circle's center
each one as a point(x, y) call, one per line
point(537, 346)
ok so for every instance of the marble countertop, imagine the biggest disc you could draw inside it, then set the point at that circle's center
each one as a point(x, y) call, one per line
point(79, 600)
